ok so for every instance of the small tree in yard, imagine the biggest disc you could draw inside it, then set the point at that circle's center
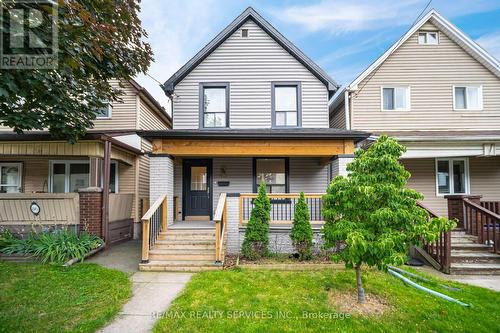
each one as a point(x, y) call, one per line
point(302, 234)
point(371, 213)
point(257, 233)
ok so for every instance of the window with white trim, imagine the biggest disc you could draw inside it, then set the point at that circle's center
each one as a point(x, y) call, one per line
point(452, 176)
point(395, 98)
point(104, 112)
point(428, 37)
point(69, 176)
point(468, 97)
point(10, 177)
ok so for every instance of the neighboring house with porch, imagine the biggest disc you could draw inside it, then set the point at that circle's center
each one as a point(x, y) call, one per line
point(438, 93)
point(34, 167)
point(250, 107)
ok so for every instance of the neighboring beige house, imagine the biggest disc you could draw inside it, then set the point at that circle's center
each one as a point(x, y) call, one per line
point(33, 163)
point(438, 93)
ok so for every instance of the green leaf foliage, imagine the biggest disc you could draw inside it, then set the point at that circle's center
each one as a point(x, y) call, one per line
point(255, 244)
point(54, 247)
point(97, 41)
point(301, 233)
point(371, 215)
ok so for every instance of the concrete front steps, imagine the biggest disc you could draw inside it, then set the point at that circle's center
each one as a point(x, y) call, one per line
point(183, 250)
point(470, 258)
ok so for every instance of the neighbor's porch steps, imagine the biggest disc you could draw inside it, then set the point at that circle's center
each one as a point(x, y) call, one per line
point(183, 250)
point(469, 257)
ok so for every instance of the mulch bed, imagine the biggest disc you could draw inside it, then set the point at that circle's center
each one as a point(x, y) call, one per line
point(347, 302)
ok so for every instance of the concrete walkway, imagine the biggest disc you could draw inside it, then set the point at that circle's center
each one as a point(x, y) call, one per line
point(486, 281)
point(152, 292)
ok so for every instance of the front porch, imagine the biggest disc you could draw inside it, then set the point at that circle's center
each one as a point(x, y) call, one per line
point(87, 185)
point(209, 178)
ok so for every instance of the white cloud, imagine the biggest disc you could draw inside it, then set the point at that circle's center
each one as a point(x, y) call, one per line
point(339, 16)
point(176, 29)
point(491, 43)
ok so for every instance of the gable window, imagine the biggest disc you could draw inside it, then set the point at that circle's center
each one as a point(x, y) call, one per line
point(104, 112)
point(214, 105)
point(468, 97)
point(273, 172)
point(10, 177)
point(395, 98)
point(452, 176)
point(428, 37)
point(244, 33)
point(286, 104)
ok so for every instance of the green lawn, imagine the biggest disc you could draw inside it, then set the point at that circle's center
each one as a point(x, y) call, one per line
point(45, 298)
point(275, 302)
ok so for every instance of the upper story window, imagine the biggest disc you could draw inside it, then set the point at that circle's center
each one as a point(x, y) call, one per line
point(468, 97)
point(452, 176)
point(214, 105)
point(104, 112)
point(10, 177)
point(286, 104)
point(395, 98)
point(244, 33)
point(428, 37)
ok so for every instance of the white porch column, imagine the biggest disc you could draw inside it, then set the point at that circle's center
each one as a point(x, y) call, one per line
point(338, 165)
point(161, 181)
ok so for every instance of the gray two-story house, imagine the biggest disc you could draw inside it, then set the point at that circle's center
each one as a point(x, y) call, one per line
point(248, 108)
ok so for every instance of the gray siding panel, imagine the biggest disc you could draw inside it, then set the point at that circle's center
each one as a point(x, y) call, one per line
point(250, 65)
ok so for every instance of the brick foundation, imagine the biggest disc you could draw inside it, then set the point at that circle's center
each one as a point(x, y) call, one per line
point(91, 210)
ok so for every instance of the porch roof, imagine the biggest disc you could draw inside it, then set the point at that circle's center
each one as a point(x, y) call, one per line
point(260, 133)
point(41, 143)
point(302, 142)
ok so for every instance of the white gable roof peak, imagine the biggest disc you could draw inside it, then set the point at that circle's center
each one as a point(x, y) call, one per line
point(451, 31)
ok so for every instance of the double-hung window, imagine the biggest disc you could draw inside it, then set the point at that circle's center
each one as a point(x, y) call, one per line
point(396, 98)
point(286, 104)
point(468, 97)
point(273, 172)
point(452, 176)
point(10, 177)
point(214, 105)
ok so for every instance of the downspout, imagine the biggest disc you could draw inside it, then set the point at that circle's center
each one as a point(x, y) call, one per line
point(346, 108)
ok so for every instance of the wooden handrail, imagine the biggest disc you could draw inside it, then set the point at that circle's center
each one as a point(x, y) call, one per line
point(430, 211)
point(440, 250)
point(154, 207)
point(481, 209)
point(151, 232)
point(481, 222)
point(220, 226)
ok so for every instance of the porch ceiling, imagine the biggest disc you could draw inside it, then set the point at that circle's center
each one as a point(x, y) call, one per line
point(253, 147)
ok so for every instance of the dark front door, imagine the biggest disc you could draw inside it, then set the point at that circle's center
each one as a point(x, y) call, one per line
point(197, 191)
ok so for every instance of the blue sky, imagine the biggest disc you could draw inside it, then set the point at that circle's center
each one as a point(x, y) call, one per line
point(343, 37)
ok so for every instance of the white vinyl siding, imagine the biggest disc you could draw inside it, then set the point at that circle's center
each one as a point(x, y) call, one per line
point(250, 65)
point(431, 71)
